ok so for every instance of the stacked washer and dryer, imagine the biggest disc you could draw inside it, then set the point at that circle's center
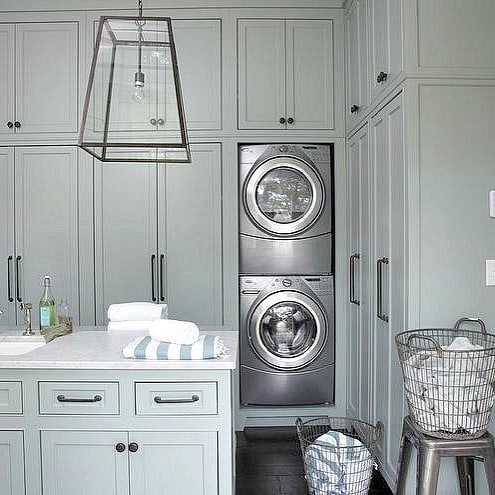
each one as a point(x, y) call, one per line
point(286, 274)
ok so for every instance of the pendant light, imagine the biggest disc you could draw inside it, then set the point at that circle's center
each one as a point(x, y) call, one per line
point(133, 110)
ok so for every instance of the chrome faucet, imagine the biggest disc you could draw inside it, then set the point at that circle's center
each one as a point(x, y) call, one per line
point(27, 307)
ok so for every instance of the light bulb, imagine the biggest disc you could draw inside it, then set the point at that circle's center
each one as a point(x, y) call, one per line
point(139, 93)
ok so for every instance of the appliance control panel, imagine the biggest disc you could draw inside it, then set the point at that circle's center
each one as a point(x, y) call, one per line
point(319, 284)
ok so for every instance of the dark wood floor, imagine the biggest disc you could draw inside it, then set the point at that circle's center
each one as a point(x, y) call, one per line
point(269, 462)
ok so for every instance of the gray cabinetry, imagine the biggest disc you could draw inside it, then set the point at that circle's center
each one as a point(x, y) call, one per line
point(159, 235)
point(39, 228)
point(286, 74)
point(12, 462)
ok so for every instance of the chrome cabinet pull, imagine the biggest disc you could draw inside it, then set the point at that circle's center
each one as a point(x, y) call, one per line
point(379, 286)
point(63, 398)
point(162, 297)
point(159, 400)
point(352, 279)
point(9, 281)
point(160, 121)
point(17, 283)
point(153, 121)
point(153, 297)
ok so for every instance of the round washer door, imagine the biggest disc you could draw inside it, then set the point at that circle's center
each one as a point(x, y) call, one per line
point(284, 195)
point(287, 330)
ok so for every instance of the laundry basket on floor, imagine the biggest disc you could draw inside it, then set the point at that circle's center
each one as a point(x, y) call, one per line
point(337, 454)
point(449, 380)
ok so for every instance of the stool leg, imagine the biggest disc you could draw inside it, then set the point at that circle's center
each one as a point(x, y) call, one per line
point(465, 470)
point(427, 472)
point(490, 469)
point(404, 457)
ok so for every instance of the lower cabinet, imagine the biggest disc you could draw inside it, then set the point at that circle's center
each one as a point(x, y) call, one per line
point(12, 463)
point(135, 462)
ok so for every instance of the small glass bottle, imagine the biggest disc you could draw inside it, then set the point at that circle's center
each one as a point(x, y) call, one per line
point(47, 313)
point(64, 314)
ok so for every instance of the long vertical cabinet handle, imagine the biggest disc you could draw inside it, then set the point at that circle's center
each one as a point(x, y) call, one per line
point(153, 297)
point(379, 289)
point(352, 278)
point(162, 296)
point(17, 282)
point(9, 279)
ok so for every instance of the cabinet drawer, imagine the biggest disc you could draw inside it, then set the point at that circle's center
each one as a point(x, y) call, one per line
point(79, 397)
point(168, 398)
point(10, 397)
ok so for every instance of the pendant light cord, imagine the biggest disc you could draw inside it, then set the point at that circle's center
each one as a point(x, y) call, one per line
point(140, 8)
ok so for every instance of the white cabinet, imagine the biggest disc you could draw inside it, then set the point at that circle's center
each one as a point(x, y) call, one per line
point(357, 48)
point(39, 228)
point(285, 74)
point(39, 79)
point(377, 259)
point(159, 235)
point(12, 462)
point(386, 44)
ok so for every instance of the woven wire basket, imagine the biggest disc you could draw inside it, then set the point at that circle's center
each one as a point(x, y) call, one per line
point(338, 469)
point(450, 393)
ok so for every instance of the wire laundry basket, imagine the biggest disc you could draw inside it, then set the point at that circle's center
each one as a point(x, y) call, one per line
point(338, 454)
point(449, 379)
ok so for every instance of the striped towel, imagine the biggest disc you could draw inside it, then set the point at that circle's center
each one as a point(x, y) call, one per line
point(206, 347)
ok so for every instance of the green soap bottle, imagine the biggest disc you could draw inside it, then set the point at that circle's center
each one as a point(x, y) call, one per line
point(47, 313)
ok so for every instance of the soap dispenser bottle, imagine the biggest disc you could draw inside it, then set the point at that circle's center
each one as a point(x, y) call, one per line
point(64, 316)
point(47, 313)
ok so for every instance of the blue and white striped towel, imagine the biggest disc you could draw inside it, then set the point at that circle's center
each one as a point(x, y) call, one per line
point(206, 347)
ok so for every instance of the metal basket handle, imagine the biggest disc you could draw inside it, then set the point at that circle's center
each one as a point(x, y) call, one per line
point(378, 430)
point(479, 321)
point(430, 339)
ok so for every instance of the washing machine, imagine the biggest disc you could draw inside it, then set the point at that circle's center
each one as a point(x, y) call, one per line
point(285, 209)
point(287, 340)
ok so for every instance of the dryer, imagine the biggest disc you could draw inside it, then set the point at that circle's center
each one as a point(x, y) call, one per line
point(287, 340)
point(286, 208)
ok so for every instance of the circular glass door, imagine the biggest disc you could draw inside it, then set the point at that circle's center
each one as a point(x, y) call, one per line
point(287, 330)
point(284, 195)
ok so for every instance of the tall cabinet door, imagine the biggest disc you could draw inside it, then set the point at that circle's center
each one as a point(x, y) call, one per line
point(12, 463)
point(7, 77)
point(125, 234)
point(309, 70)
point(261, 77)
point(190, 233)
point(7, 284)
point(389, 259)
point(46, 223)
point(359, 336)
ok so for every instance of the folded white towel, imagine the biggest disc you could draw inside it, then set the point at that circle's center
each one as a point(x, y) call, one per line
point(174, 331)
point(143, 326)
point(137, 311)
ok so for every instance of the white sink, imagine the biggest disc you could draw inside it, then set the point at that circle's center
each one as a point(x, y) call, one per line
point(16, 345)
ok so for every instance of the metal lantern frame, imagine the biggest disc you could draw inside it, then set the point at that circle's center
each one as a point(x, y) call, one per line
point(106, 144)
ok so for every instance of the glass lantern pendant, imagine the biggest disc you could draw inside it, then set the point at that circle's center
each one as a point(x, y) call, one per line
point(133, 110)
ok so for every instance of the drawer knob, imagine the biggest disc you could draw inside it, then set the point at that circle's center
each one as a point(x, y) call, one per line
point(282, 120)
point(354, 108)
point(133, 446)
point(381, 77)
point(120, 447)
point(159, 400)
point(63, 398)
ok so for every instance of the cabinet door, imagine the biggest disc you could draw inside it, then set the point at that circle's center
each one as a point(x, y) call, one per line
point(359, 336)
point(261, 73)
point(174, 462)
point(199, 57)
point(357, 61)
point(190, 230)
point(389, 242)
point(84, 462)
point(7, 284)
point(46, 223)
point(7, 78)
point(386, 42)
point(125, 234)
point(46, 77)
point(309, 71)
point(12, 463)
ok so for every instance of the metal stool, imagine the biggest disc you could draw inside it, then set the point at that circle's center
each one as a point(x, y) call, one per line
point(429, 452)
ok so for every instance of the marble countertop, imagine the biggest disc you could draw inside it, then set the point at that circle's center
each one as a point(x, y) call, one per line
point(95, 348)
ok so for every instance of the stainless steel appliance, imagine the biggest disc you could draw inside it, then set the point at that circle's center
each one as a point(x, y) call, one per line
point(287, 340)
point(285, 214)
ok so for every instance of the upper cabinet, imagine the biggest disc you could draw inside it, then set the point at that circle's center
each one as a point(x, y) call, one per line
point(38, 80)
point(286, 74)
